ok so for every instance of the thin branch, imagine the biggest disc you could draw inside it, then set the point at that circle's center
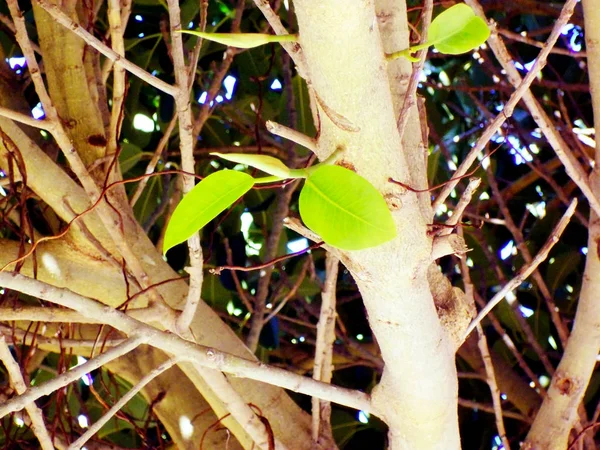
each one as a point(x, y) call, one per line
point(67, 22)
point(527, 269)
point(24, 119)
point(62, 380)
point(16, 380)
point(171, 343)
point(292, 135)
point(186, 146)
point(92, 430)
point(572, 166)
point(323, 365)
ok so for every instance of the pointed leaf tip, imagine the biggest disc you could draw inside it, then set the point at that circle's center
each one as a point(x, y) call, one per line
point(243, 40)
point(213, 195)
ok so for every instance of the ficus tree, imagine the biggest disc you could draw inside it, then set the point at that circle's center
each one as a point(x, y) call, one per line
point(307, 224)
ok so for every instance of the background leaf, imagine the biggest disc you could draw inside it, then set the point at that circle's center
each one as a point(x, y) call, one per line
point(243, 40)
point(266, 163)
point(345, 209)
point(210, 197)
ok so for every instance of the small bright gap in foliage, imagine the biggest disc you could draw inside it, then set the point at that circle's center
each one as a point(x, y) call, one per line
point(87, 378)
point(503, 396)
point(507, 250)
point(232, 310)
point(252, 248)
point(139, 18)
point(83, 421)
point(363, 417)
point(186, 427)
point(17, 64)
point(584, 250)
point(141, 35)
point(544, 381)
point(190, 25)
point(276, 85)
point(229, 84)
point(527, 312)
point(552, 343)
point(19, 421)
point(575, 34)
point(297, 245)
point(497, 443)
point(537, 209)
point(360, 337)
point(38, 112)
point(143, 123)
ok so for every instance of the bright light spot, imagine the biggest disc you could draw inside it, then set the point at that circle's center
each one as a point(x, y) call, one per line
point(276, 85)
point(297, 245)
point(286, 5)
point(215, 164)
point(143, 123)
point(476, 55)
point(185, 427)
point(17, 61)
point(363, 417)
point(496, 78)
point(452, 165)
point(552, 343)
point(139, 18)
point(51, 265)
point(456, 138)
point(497, 443)
point(469, 262)
point(294, 341)
point(230, 308)
point(507, 250)
point(584, 250)
point(531, 384)
point(237, 312)
point(444, 78)
point(38, 112)
point(229, 84)
point(219, 99)
point(551, 261)
point(269, 305)
point(569, 288)
point(484, 196)
point(518, 65)
point(527, 312)
point(302, 339)
point(538, 189)
point(359, 337)
point(190, 25)
point(141, 35)
point(537, 209)
point(544, 381)
point(529, 65)
point(19, 421)
point(503, 396)
point(510, 297)
point(83, 421)
point(202, 98)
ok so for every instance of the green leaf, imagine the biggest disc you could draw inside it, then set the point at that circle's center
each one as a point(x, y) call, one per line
point(457, 30)
point(207, 200)
point(267, 164)
point(345, 209)
point(243, 40)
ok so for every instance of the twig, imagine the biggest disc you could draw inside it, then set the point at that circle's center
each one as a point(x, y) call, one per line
point(527, 269)
point(323, 365)
point(173, 344)
point(16, 380)
point(483, 407)
point(572, 166)
point(491, 380)
point(92, 430)
point(526, 40)
point(411, 90)
point(67, 22)
point(292, 135)
point(25, 119)
point(62, 380)
point(462, 205)
point(290, 294)
point(186, 145)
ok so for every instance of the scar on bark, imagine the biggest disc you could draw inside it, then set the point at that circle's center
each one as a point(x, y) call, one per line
point(565, 384)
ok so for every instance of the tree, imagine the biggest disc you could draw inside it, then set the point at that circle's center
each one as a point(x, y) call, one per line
point(126, 113)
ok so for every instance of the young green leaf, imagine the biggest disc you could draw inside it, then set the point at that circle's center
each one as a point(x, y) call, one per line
point(207, 200)
point(266, 163)
point(457, 30)
point(243, 40)
point(345, 209)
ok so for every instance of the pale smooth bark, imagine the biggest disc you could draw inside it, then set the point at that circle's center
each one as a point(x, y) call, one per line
point(346, 67)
